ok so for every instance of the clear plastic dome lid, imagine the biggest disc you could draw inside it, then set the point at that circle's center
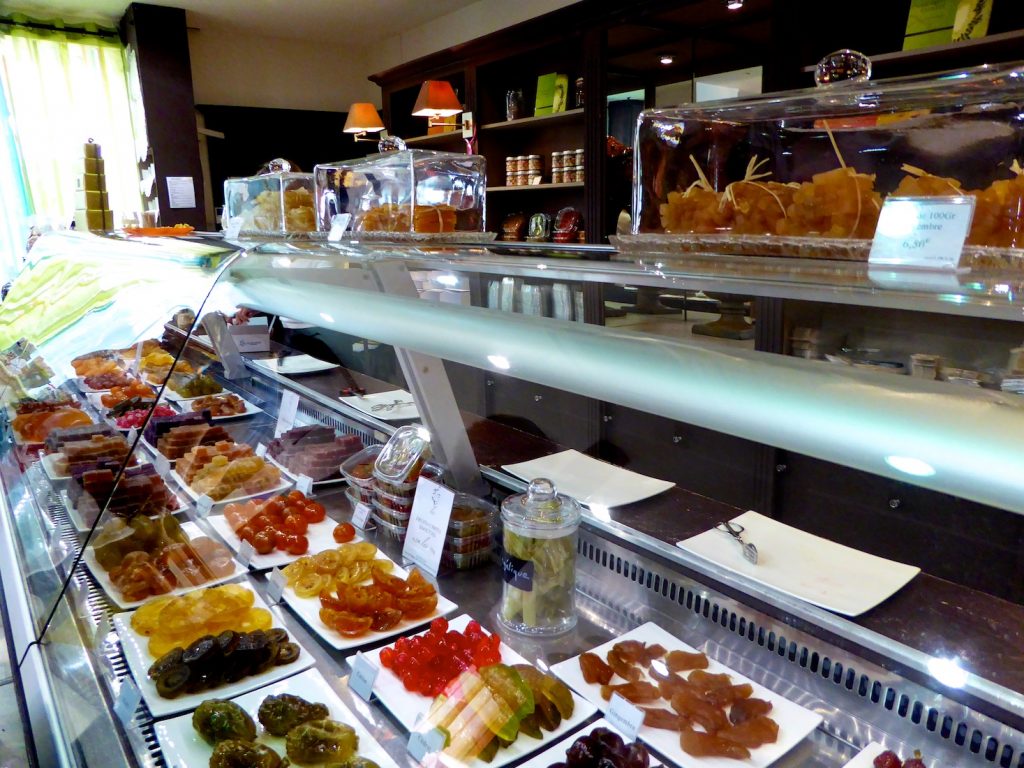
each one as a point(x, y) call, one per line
point(404, 454)
point(541, 510)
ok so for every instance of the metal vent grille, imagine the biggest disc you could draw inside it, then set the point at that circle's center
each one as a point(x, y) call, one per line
point(975, 737)
point(340, 423)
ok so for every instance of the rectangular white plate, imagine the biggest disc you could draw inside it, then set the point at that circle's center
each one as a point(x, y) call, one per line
point(308, 609)
point(372, 405)
point(79, 522)
point(866, 757)
point(49, 464)
point(250, 408)
point(590, 481)
point(136, 653)
point(795, 722)
point(294, 364)
point(409, 707)
point(286, 482)
point(192, 531)
point(556, 754)
point(96, 402)
point(332, 480)
point(808, 567)
point(83, 387)
point(184, 748)
point(320, 535)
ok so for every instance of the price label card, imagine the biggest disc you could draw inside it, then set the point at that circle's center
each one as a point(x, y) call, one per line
point(338, 226)
point(133, 433)
point(99, 639)
point(428, 525)
point(138, 357)
point(275, 585)
point(245, 553)
point(922, 232)
point(261, 450)
point(627, 718)
point(304, 484)
point(127, 701)
point(286, 413)
point(162, 464)
point(234, 226)
point(364, 675)
point(361, 515)
point(422, 744)
point(203, 506)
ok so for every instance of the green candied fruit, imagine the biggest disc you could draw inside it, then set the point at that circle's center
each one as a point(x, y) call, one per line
point(219, 720)
point(321, 741)
point(244, 754)
point(279, 714)
point(554, 580)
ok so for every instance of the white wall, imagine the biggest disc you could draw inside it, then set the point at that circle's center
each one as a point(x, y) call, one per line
point(232, 68)
point(480, 18)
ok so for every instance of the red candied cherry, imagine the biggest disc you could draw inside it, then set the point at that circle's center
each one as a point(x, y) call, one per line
point(439, 625)
point(888, 759)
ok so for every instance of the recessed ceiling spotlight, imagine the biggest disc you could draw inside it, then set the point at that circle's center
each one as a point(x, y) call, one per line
point(666, 59)
point(733, 5)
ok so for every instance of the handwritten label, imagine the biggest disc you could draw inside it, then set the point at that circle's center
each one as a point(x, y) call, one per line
point(422, 744)
point(517, 572)
point(275, 585)
point(338, 226)
point(162, 464)
point(286, 413)
point(133, 433)
point(127, 701)
point(203, 506)
point(922, 232)
point(138, 357)
point(625, 717)
point(245, 553)
point(361, 515)
point(261, 450)
point(364, 675)
point(304, 483)
point(428, 525)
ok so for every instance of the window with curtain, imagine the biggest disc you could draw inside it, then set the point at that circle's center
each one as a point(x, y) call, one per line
point(59, 90)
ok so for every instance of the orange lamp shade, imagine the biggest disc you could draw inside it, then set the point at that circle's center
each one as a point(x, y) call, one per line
point(362, 116)
point(437, 99)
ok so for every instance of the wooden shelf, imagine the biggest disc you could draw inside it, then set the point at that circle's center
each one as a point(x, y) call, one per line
point(434, 139)
point(537, 187)
point(531, 122)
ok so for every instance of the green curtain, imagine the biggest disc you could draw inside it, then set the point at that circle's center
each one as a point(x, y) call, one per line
point(16, 207)
point(63, 90)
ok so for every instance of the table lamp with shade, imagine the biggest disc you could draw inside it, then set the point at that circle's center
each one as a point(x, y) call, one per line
point(363, 119)
point(436, 100)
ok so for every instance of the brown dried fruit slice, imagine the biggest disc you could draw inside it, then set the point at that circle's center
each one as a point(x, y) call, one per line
point(681, 661)
point(664, 719)
point(696, 710)
point(595, 670)
point(752, 733)
point(634, 692)
point(746, 709)
point(699, 744)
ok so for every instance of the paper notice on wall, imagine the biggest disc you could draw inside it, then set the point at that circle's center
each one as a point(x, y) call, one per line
point(181, 192)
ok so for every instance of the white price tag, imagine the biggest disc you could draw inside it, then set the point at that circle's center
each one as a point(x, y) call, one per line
point(245, 553)
point(286, 413)
point(304, 484)
point(133, 433)
point(338, 226)
point(627, 718)
point(275, 585)
point(99, 639)
point(422, 744)
point(428, 525)
point(361, 515)
point(138, 357)
point(127, 701)
point(261, 450)
point(203, 506)
point(364, 675)
point(162, 464)
point(234, 226)
point(922, 232)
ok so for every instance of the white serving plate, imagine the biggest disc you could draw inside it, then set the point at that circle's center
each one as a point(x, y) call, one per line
point(185, 405)
point(136, 653)
point(808, 567)
point(48, 461)
point(316, 483)
point(192, 531)
point(409, 707)
point(866, 757)
point(795, 722)
point(84, 388)
point(370, 405)
point(96, 402)
point(589, 481)
point(556, 754)
point(285, 483)
point(79, 522)
point(320, 535)
point(308, 609)
point(184, 748)
point(294, 364)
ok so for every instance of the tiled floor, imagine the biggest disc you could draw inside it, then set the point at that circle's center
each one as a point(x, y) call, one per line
point(12, 735)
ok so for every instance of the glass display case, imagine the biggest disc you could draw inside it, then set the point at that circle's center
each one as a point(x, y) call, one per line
point(276, 203)
point(153, 535)
point(412, 191)
point(805, 173)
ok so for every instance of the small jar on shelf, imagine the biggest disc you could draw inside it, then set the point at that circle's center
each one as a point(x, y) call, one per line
point(557, 176)
point(534, 164)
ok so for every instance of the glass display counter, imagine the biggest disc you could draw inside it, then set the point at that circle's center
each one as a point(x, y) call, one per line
point(137, 529)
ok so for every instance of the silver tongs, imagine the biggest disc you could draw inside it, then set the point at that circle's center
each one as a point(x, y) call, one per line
point(734, 530)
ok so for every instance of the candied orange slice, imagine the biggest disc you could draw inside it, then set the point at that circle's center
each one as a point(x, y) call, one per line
point(146, 620)
point(385, 619)
point(258, 618)
point(393, 584)
point(346, 623)
point(417, 607)
point(310, 585)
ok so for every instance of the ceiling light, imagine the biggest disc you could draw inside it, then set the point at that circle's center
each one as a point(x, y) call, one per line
point(733, 5)
point(666, 59)
point(910, 465)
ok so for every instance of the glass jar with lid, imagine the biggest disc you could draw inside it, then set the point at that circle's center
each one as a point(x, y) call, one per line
point(539, 560)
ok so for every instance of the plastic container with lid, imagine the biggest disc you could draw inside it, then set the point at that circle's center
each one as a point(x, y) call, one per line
point(398, 465)
point(461, 561)
point(399, 503)
point(392, 516)
point(357, 469)
point(390, 530)
point(538, 560)
point(472, 516)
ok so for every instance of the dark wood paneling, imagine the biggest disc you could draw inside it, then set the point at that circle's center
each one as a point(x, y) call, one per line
point(160, 40)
